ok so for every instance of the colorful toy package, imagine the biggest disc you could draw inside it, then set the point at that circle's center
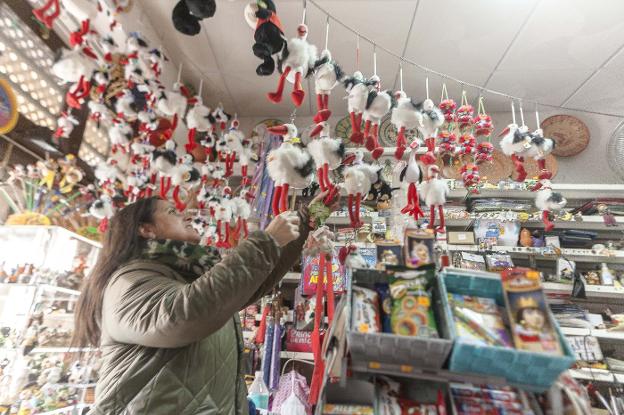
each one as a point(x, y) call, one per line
point(310, 272)
point(365, 310)
point(411, 304)
point(472, 400)
point(346, 409)
point(418, 248)
point(478, 320)
point(531, 321)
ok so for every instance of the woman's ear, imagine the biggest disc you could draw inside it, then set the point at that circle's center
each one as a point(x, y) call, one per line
point(147, 231)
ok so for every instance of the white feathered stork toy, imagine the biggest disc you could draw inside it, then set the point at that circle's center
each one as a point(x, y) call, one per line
point(412, 174)
point(183, 174)
point(223, 216)
point(120, 133)
point(124, 106)
point(289, 166)
point(163, 162)
point(103, 209)
point(434, 191)
point(540, 148)
point(547, 201)
point(65, 125)
point(358, 180)
point(514, 143)
point(432, 119)
point(172, 103)
point(241, 147)
point(405, 115)
point(378, 104)
point(327, 74)
point(197, 119)
point(328, 154)
point(357, 89)
point(295, 61)
point(241, 213)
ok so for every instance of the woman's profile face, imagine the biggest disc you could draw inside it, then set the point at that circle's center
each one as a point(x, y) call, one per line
point(168, 223)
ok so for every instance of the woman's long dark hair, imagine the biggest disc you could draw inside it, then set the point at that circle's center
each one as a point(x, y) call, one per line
point(122, 243)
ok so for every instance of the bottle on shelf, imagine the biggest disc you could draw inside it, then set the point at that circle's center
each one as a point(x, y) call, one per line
point(259, 393)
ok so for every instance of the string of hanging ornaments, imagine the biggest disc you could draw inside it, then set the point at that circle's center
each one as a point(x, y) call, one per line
point(450, 132)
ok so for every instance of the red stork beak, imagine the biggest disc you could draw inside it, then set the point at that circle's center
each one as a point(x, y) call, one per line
point(279, 130)
point(504, 132)
point(348, 160)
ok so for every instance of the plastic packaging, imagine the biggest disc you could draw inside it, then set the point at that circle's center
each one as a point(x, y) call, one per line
point(258, 392)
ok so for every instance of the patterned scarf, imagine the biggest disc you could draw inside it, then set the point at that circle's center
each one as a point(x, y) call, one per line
point(188, 260)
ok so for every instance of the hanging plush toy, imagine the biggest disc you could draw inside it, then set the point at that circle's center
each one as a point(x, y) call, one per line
point(288, 166)
point(327, 74)
point(82, 39)
point(183, 174)
point(65, 125)
point(172, 103)
point(540, 148)
point(120, 135)
point(350, 257)
point(514, 142)
point(327, 154)
point(295, 61)
point(268, 37)
point(125, 106)
point(378, 104)
point(404, 116)
point(432, 120)
point(358, 180)
point(223, 216)
point(187, 15)
point(358, 88)
point(242, 211)
point(434, 191)
point(412, 174)
point(103, 209)
point(164, 161)
point(48, 13)
point(78, 93)
point(197, 119)
point(243, 148)
point(548, 201)
point(73, 67)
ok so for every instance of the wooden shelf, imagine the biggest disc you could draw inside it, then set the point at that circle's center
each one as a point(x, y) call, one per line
point(592, 291)
point(598, 333)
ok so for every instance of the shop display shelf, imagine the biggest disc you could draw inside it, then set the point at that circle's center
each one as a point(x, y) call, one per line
point(73, 409)
point(569, 191)
point(593, 223)
point(597, 375)
point(592, 291)
point(291, 278)
point(297, 355)
point(597, 333)
point(574, 254)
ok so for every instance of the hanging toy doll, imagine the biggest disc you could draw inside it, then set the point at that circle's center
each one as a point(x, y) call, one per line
point(404, 116)
point(242, 147)
point(241, 213)
point(268, 37)
point(183, 174)
point(173, 103)
point(358, 180)
point(327, 74)
point(103, 209)
point(120, 134)
point(223, 215)
point(197, 119)
point(378, 104)
point(357, 89)
point(412, 174)
point(65, 125)
point(295, 62)
point(515, 142)
point(328, 154)
point(163, 162)
point(288, 166)
point(432, 120)
point(547, 201)
point(434, 191)
point(540, 148)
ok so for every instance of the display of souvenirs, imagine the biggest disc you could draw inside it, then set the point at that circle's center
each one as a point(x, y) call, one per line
point(389, 254)
point(498, 262)
point(478, 320)
point(472, 400)
point(471, 261)
point(310, 273)
point(418, 248)
point(412, 314)
point(365, 315)
point(528, 313)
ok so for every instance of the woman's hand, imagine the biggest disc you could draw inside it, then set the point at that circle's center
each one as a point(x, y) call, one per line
point(333, 206)
point(284, 228)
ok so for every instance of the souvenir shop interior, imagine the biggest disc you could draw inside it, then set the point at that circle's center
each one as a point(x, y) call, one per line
point(466, 255)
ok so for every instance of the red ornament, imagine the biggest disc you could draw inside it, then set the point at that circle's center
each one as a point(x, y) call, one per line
point(448, 106)
point(485, 152)
point(464, 116)
point(447, 142)
point(483, 125)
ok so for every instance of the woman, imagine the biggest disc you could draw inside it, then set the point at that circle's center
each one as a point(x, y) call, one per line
point(164, 311)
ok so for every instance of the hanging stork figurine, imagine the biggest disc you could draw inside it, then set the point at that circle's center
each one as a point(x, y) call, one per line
point(327, 74)
point(405, 115)
point(434, 190)
point(358, 180)
point(547, 201)
point(289, 165)
point(295, 61)
point(357, 89)
point(412, 174)
point(514, 143)
point(378, 104)
point(328, 154)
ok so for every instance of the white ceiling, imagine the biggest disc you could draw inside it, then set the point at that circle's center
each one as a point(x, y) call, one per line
point(561, 52)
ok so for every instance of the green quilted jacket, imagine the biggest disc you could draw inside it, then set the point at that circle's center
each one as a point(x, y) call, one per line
point(171, 347)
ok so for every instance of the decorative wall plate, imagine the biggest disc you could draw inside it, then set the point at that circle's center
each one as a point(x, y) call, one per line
point(570, 134)
point(388, 133)
point(343, 131)
point(8, 107)
point(500, 168)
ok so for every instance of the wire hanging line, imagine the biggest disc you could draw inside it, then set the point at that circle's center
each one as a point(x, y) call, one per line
point(481, 88)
